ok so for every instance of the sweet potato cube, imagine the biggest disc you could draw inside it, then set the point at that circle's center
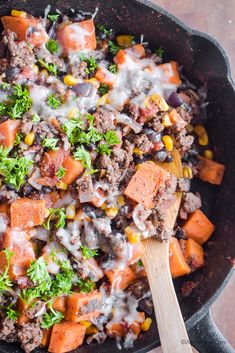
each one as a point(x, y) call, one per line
point(105, 76)
point(137, 251)
point(60, 304)
point(46, 336)
point(83, 306)
point(171, 72)
point(51, 162)
point(198, 227)
point(121, 279)
point(21, 308)
point(210, 171)
point(135, 326)
point(8, 131)
point(66, 336)
point(193, 253)
point(178, 265)
point(72, 168)
point(145, 183)
point(77, 36)
point(27, 213)
point(116, 329)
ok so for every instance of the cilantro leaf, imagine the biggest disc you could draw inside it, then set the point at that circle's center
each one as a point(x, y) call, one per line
point(50, 143)
point(52, 68)
point(91, 63)
point(104, 148)
point(51, 318)
point(37, 272)
point(53, 102)
point(112, 138)
point(53, 17)
point(57, 214)
point(103, 89)
point(20, 102)
point(84, 157)
point(113, 48)
point(72, 128)
point(88, 253)
point(85, 285)
point(5, 282)
point(103, 29)
point(60, 173)
point(5, 86)
point(159, 52)
point(113, 68)
point(53, 46)
point(11, 313)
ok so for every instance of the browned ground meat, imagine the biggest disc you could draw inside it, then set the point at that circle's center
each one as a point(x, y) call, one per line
point(37, 309)
point(143, 143)
point(8, 331)
point(190, 203)
point(183, 184)
point(104, 120)
point(183, 141)
point(139, 287)
point(113, 172)
point(30, 336)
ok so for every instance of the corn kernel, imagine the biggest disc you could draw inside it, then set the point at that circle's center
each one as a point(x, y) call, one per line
point(146, 324)
point(29, 138)
point(120, 201)
point(44, 73)
point(69, 80)
point(61, 185)
point(111, 212)
point(138, 151)
point(70, 212)
point(47, 213)
point(168, 142)
point(166, 121)
point(160, 101)
point(190, 128)
point(132, 236)
point(85, 323)
point(91, 330)
point(94, 81)
point(199, 130)
point(187, 172)
point(103, 100)
point(17, 13)
point(124, 40)
point(72, 113)
point(203, 139)
point(36, 69)
point(208, 154)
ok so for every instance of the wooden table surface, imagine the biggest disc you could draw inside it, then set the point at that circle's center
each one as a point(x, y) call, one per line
point(217, 18)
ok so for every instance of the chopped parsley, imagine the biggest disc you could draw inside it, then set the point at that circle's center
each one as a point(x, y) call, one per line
point(72, 128)
point(60, 173)
point(53, 17)
point(87, 253)
point(103, 89)
point(35, 118)
point(58, 215)
point(18, 103)
point(52, 68)
point(51, 318)
point(113, 47)
point(139, 263)
point(11, 313)
point(14, 170)
point(159, 52)
point(52, 45)
point(103, 29)
point(18, 139)
point(113, 68)
point(53, 102)
point(104, 148)
point(5, 86)
point(112, 138)
point(91, 63)
point(84, 157)
point(50, 143)
point(5, 282)
point(85, 285)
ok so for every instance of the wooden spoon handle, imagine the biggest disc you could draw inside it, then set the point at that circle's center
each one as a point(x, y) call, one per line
point(171, 327)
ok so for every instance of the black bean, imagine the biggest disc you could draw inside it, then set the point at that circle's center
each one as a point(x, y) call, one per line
point(169, 158)
point(153, 136)
point(46, 190)
point(37, 139)
point(146, 305)
point(27, 189)
point(12, 73)
point(92, 110)
point(160, 155)
point(179, 233)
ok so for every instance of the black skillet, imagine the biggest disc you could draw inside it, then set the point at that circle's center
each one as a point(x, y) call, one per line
point(204, 61)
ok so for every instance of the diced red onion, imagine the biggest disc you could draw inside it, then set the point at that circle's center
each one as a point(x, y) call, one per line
point(124, 119)
point(86, 195)
point(174, 100)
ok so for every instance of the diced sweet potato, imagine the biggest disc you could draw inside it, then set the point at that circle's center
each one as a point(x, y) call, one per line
point(51, 199)
point(137, 252)
point(51, 162)
point(28, 29)
point(136, 325)
point(46, 336)
point(210, 171)
point(178, 265)
point(138, 51)
point(120, 57)
point(23, 253)
point(105, 76)
point(193, 253)
point(27, 213)
point(21, 308)
point(121, 279)
point(83, 306)
point(72, 168)
point(4, 208)
point(60, 304)
point(98, 199)
point(66, 336)
point(198, 227)
point(171, 72)
point(145, 183)
point(8, 131)
point(116, 329)
point(77, 36)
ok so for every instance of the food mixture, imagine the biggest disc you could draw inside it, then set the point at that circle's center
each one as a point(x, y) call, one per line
point(87, 118)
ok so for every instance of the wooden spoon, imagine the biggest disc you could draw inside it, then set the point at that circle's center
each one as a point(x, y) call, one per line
point(171, 327)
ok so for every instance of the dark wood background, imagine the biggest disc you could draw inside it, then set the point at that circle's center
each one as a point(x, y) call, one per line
point(217, 18)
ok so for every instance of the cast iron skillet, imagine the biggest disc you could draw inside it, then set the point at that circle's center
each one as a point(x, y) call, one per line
point(204, 61)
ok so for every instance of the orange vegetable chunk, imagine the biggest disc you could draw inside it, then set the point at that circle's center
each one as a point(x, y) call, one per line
point(116, 329)
point(210, 171)
point(137, 252)
point(83, 306)
point(27, 213)
point(121, 279)
point(51, 162)
point(198, 227)
point(60, 304)
point(178, 265)
point(8, 131)
point(46, 336)
point(105, 76)
point(192, 252)
point(77, 36)
point(145, 183)
point(72, 168)
point(171, 72)
point(66, 336)
point(21, 308)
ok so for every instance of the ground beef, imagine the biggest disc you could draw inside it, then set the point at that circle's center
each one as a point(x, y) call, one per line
point(183, 141)
point(185, 113)
point(104, 120)
point(123, 156)
point(139, 287)
point(112, 168)
point(30, 336)
point(143, 143)
point(20, 53)
point(7, 195)
point(78, 70)
point(132, 110)
point(190, 203)
point(146, 305)
point(8, 330)
point(37, 310)
point(191, 99)
point(183, 184)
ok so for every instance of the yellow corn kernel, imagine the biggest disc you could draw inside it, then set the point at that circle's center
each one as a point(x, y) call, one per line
point(190, 128)
point(91, 330)
point(146, 324)
point(85, 323)
point(29, 138)
point(94, 81)
point(203, 139)
point(120, 201)
point(103, 100)
point(70, 212)
point(208, 154)
point(124, 40)
point(81, 216)
point(36, 69)
point(17, 13)
point(132, 236)
point(111, 212)
point(72, 113)
point(44, 73)
point(160, 101)
point(187, 172)
point(47, 213)
point(199, 130)
point(168, 142)
point(166, 121)
point(69, 80)
point(103, 206)
point(138, 151)
point(61, 185)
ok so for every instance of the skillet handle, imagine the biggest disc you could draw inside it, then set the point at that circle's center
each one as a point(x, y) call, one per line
point(206, 337)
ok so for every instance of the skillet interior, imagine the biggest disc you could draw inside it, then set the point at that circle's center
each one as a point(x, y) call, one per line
point(204, 62)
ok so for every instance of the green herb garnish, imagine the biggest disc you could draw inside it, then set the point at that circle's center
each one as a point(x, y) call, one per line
point(5, 282)
point(84, 157)
point(11, 313)
point(19, 103)
point(60, 173)
point(18, 139)
point(159, 52)
point(57, 214)
point(113, 48)
point(51, 318)
point(139, 263)
point(53, 46)
point(104, 148)
point(103, 89)
point(50, 143)
point(52, 68)
point(5, 86)
point(91, 63)
point(53, 102)
point(113, 68)
point(87, 253)
point(72, 128)
point(85, 285)
point(112, 138)
point(103, 29)
point(53, 17)
point(35, 118)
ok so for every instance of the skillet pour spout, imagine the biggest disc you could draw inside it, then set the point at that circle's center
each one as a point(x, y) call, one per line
point(204, 61)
